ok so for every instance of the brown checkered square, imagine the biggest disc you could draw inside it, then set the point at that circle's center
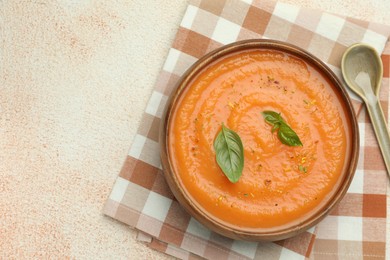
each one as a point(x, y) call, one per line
point(171, 84)
point(350, 205)
point(350, 249)
point(149, 225)
point(171, 235)
point(372, 229)
point(358, 22)
point(150, 127)
point(373, 159)
point(127, 215)
point(135, 202)
point(214, 7)
point(181, 38)
point(184, 62)
point(160, 113)
point(172, 250)
point(213, 45)
point(350, 34)
point(295, 243)
point(379, 28)
point(220, 240)
point(177, 217)
point(111, 208)
point(158, 245)
point(278, 29)
point(267, 6)
point(211, 253)
point(384, 92)
point(385, 108)
point(370, 138)
point(336, 54)
point(299, 35)
point(375, 182)
point(324, 249)
point(308, 19)
point(188, 243)
point(235, 11)
point(268, 251)
point(143, 174)
point(256, 20)
point(386, 65)
point(321, 47)
point(166, 82)
point(374, 250)
point(181, 254)
point(161, 187)
point(204, 22)
point(127, 168)
point(374, 205)
point(247, 34)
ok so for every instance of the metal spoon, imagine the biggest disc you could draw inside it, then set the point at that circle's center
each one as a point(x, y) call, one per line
point(362, 70)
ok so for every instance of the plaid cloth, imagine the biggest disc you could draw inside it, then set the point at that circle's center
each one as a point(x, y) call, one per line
point(141, 198)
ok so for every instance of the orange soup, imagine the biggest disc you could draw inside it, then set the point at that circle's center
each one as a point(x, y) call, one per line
point(279, 183)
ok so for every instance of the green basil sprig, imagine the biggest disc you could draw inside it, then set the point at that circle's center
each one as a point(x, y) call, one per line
point(229, 153)
point(285, 133)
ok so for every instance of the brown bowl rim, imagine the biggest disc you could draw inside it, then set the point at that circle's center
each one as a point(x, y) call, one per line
point(185, 199)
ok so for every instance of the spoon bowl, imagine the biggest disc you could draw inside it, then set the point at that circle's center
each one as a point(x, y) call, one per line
point(362, 58)
point(362, 71)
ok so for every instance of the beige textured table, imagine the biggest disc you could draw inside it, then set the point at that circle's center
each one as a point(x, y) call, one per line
point(75, 77)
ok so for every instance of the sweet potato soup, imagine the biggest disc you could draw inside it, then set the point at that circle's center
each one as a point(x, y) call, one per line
point(279, 183)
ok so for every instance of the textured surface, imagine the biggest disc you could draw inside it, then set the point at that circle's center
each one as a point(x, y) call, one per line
point(74, 81)
point(142, 200)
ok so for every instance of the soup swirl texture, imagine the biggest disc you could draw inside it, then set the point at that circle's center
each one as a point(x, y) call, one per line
point(279, 183)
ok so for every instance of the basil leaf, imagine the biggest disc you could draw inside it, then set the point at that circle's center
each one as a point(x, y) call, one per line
point(275, 127)
point(272, 117)
point(229, 153)
point(285, 133)
point(288, 137)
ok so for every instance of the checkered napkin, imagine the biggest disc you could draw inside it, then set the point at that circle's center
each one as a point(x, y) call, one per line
point(141, 197)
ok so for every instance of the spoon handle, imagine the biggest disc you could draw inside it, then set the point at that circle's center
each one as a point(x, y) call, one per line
point(382, 133)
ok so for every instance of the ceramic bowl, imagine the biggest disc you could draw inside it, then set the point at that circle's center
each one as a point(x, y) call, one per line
point(258, 234)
